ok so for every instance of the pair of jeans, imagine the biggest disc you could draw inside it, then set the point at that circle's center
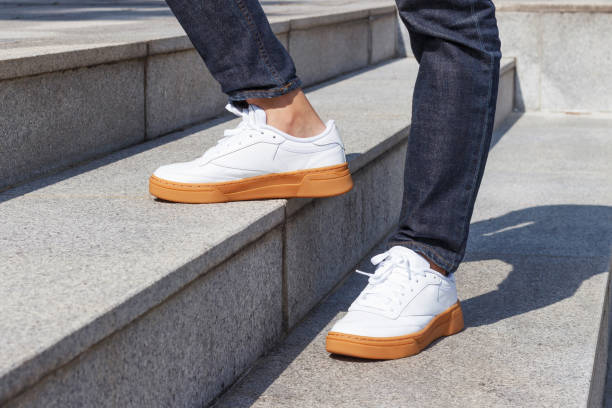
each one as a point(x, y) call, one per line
point(456, 43)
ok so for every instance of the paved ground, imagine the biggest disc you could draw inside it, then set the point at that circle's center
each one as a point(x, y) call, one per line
point(532, 288)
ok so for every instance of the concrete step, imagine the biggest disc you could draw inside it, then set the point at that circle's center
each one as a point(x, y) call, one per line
point(561, 47)
point(534, 288)
point(114, 299)
point(80, 79)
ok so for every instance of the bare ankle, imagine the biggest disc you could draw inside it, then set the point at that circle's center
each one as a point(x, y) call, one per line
point(291, 113)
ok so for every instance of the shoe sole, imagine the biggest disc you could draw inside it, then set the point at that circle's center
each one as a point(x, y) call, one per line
point(320, 182)
point(387, 348)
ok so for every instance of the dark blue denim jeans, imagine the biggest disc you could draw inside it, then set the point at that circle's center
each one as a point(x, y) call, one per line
point(456, 43)
point(238, 46)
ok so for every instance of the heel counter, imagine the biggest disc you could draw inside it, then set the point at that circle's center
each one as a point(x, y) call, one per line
point(329, 157)
point(448, 292)
point(332, 136)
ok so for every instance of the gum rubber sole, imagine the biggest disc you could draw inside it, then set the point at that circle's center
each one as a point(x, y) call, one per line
point(320, 182)
point(386, 348)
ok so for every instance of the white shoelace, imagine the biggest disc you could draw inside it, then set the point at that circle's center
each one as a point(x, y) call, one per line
point(246, 128)
point(390, 284)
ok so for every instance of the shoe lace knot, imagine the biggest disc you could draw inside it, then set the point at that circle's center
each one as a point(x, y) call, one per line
point(391, 283)
point(248, 127)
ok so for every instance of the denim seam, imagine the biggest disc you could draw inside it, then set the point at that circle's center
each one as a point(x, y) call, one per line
point(485, 126)
point(262, 51)
point(477, 27)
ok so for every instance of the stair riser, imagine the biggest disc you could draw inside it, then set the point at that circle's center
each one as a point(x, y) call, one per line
point(562, 54)
point(189, 348)
point(68, 113)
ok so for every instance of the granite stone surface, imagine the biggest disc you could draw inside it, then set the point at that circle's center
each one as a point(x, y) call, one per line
point(95, 253)
point(576, 77)
point(327, 237)
point(560, 48)
point(520, 38)
point(533, 289)
point(383, 30)
point(180, 92)
point(570, 178)
point(50, 121)
point(185, 351)
point(178, 89)
point(506, 91)
point(115, 226)
point(322, 52)
point(48, 35)
point(561, 62)
point(402, 40)
point(508, 355)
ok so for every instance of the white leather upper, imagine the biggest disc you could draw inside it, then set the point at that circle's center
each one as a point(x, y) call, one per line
point(401, 297)
point(255, 148)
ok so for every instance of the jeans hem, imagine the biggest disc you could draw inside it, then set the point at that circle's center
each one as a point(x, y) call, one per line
point(292, 85)
point(431, 253)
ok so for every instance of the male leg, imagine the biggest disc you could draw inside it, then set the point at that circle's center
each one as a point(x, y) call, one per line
point(282, 148)
point(411, 299)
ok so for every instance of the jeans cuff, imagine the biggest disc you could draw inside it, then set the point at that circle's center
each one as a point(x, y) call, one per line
point(243, 95)
point(449, 266)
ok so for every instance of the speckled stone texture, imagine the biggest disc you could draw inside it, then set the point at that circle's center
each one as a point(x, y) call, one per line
point(520, 39)
point(327, 237)
point(383, 30)
point(332, 49)
point(576, 77)
point(186, 350)
point(52, 120)
point(505, 104)
point(113, 76)
point(562, 65)
point(533, 288)
point(89, 254)
point(561, 51)
point(180, 92)
point(88, 251)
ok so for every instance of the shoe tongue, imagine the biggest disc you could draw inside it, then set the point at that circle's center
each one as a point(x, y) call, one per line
point(257, 116)
point(416, 261)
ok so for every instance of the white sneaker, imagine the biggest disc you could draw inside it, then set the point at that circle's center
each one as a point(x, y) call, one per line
point(256, 161)
point(405, 307)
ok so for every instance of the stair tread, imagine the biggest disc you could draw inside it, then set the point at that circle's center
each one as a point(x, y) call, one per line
point(88, 250)
point(533, 288)
point(41, 36)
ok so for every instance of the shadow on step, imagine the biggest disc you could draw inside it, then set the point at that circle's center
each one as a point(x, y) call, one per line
point(550, 251)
